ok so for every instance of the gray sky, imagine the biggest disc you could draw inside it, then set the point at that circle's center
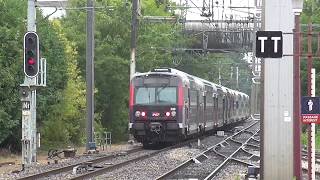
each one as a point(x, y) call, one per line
point(218, 11)
point(194, 13)
point(47, 11)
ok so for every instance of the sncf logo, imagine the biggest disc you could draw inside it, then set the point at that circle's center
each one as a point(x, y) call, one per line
point(155, 114)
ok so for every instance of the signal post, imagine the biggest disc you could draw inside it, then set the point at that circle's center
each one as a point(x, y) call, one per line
point(34, 70)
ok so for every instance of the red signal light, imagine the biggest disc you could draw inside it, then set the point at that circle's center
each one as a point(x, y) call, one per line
point(31, 61)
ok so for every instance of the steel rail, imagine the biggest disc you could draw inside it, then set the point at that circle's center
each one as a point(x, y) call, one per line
point(70, 167)
point(187, 162)
point(214, 172)
point(109, 168)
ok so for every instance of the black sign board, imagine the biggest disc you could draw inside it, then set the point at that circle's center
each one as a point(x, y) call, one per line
point(269, 44)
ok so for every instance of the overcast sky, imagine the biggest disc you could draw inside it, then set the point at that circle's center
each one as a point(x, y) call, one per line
point(47, 11)
point(218, 11)
point(194, 13)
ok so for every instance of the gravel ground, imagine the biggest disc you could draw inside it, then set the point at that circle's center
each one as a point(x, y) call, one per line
point(116, 160)
point(199, 171)
point(156, 166)
point(231, 172)
point(152, 167)
point(145, 169)
point(38, 168)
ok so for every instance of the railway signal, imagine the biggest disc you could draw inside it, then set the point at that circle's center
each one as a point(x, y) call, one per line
point(31, 54)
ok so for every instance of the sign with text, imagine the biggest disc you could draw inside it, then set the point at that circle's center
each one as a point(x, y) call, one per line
point(269, 44)
point(26, 105)
point(310, 110)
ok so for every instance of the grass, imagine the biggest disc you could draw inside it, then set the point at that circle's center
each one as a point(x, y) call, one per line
point(304, 140)
point(9, 158)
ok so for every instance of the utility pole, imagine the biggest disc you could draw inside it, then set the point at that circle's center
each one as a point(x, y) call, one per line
point(297, 9)
point(134, 30)
point(90, 75)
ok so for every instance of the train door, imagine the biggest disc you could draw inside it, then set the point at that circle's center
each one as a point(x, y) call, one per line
point(201, 112)
point(188, 107)
point(229, 108)
point(193, 110)
point(232, 107)
point(198, 109)
point(215, 109)
point(223, 110)
point(204, 110)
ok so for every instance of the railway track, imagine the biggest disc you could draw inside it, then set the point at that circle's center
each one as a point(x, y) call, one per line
point(103, 170)
point(70, 167)
point(138, 161)
point(102, 167)
point(218, 156)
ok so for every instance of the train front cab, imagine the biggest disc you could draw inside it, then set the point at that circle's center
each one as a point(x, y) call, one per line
point(156, 108)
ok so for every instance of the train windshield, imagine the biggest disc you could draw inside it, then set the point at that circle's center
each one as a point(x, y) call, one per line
point(156, 95)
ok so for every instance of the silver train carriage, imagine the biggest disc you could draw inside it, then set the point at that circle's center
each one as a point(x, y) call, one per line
point(168, 105)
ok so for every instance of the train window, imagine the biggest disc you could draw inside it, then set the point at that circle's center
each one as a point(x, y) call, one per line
point(166, 95)
point(209, 99)
point(156, 95)
point(237, 104)
point(156, 80)
point(145, 95)
point(193, 97)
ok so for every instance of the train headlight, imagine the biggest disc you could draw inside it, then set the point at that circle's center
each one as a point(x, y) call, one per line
point(143, 114)
point(167, 114)
point(137, 114)
point(173, 113)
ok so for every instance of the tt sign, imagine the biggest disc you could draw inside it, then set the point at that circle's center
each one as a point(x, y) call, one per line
point(269, 44)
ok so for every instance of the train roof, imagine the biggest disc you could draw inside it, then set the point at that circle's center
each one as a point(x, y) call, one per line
point(187, 78)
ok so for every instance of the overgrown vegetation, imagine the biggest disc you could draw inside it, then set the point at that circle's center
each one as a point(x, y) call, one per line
point(61, 105)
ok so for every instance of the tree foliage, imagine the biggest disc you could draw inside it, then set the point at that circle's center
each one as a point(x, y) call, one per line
point(12, 28)
point(59, 105)
point(156, 42)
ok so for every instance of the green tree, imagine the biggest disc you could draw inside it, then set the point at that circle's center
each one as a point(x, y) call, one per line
point(12, 28)
point(112, 53)
point(61, 101)
point(65, 109)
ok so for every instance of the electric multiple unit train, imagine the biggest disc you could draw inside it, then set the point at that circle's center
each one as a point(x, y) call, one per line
point(168, 105)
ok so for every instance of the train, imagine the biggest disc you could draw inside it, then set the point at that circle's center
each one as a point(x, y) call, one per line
point(167, 105)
